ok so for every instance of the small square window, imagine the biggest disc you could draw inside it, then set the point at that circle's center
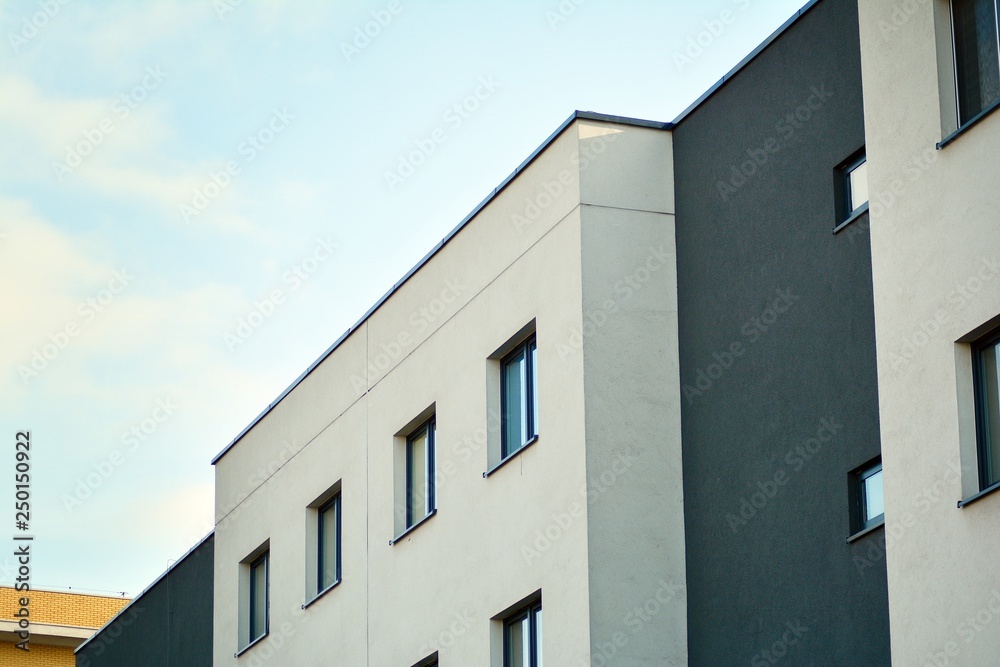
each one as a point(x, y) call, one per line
point(857, 186)
point(977, 56)
point(868, 501)
point(985, 363)
point(522, 637)
point(519, 398)
point(328, 544)
point(420, 463)
point(258, 597)
point(851, 188)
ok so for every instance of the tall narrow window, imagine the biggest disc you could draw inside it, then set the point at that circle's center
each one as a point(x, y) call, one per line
point(986, 361)
point(522, 640)
point(328, 533)
point(420, 499)
point(977, 56)
point(519, 398)
point(259, 597)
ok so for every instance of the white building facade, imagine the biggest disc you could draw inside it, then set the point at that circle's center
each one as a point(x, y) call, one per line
point(931, 81)
point(489, 462)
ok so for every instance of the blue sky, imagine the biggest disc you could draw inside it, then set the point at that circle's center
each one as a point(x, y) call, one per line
point(198, 198)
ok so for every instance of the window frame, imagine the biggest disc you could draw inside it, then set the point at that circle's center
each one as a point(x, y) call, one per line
point(952, 109)
point(529, 398)
point(865, 521)
point(989, 470)
point(430, 470)
point(955, 61)
point(264, 559)
point(849, 206)
point(531, 611)
point(845, 212)
point(859, 526)
point(333, 504)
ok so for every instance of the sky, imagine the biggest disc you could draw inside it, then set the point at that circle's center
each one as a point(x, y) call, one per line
point(198, 198)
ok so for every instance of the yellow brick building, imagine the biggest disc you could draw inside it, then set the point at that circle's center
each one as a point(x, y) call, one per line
point(59, 622)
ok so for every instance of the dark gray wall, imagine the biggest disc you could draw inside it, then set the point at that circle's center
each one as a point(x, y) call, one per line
point(170, 625)
point(777, 349)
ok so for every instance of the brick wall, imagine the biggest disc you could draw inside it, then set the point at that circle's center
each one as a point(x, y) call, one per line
point(38, 656)
point(88, 611)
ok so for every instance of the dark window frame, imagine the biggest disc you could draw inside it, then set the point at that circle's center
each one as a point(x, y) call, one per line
point(430, 427)
point(529, 345)
point(858, 501)
point(966, 118)
point(989, 470)
point(529, 611)
point(265, 560)
point(845, 213)
point(334, 504)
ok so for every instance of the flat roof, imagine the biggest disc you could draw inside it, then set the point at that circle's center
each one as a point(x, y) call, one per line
point(577, 115)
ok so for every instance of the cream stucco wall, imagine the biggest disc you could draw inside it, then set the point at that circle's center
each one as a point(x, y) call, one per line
point(935, 240)
point(535, 253)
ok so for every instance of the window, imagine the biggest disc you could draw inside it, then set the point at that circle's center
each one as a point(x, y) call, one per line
point(977, 56)
point(985, 362)
point(851, 188)
point(856, 186)
point(868, 501)
point(254, 598)
point(324, 530)
point(420, 473)
point(518, 398)
point(522, 637)
point(258, 597)
point(328, 541)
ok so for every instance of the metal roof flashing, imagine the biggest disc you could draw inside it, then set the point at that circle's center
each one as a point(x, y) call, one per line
point(576, 116)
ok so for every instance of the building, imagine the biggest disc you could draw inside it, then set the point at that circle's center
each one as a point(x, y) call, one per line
point(931, 78)
point(652, 385)
point(635, 388)
point(58, 622)
point(169, 624)
point(457, 461)
point(777, 357)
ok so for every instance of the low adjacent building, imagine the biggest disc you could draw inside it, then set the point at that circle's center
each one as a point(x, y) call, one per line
point(58, 622)
point(169, 624)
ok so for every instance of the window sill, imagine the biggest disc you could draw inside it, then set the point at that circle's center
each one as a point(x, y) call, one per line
point(321, 593)
point(511, 456)
point(250, 645)
point(972, 121)
point(413, 527)
point(854, 216)
point(870, 529)
point(976, 496)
